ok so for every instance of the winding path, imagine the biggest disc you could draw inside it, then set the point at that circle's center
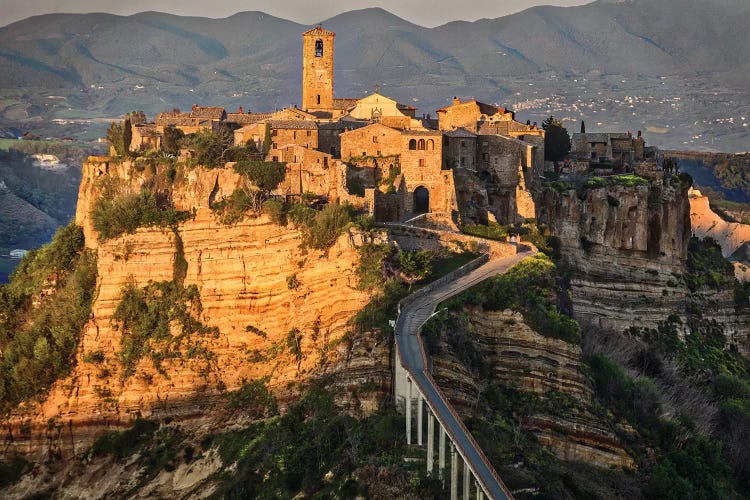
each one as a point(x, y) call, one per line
point(413, 358)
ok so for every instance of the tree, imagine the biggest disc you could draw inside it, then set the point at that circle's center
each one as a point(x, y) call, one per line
point(267, 139)
point(583, 127)
point(114, 135)
point(556, 140)
point(127, 135)
point(171, 142)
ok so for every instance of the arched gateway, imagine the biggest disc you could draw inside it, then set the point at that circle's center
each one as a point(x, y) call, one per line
point(421, 200)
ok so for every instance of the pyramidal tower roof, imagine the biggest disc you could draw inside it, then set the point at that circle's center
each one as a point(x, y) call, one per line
point(319, 30)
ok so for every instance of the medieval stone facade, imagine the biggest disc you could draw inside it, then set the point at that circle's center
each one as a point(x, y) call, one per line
point(475, 162)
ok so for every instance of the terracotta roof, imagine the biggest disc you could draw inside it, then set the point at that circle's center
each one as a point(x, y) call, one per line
point(460, 133)
point(170, 118)
point(342, 125)
point(247, 118)
point(293, 124)
point(319, 30)
point(213, 113)
point(346, 103)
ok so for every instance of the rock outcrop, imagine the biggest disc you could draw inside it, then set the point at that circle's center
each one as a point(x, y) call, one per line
point(242, 273)
point(626, 247)
point(527, 361)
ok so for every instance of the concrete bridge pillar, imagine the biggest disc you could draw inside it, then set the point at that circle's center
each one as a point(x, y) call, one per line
point(467, 481)
point(408, 413)
point(454, 473)
point(420, 418)
point(430, 441)
point(441, 452)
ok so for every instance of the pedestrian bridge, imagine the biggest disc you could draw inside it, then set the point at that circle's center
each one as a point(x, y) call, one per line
point(421, 399)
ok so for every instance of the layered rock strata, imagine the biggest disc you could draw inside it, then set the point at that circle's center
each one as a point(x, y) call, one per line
point(243, 274)
point(521, 358)
point(626, 248)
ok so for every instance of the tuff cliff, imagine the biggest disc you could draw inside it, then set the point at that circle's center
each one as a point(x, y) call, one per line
point(625, 246)
point(520, 358)
point(271, 309)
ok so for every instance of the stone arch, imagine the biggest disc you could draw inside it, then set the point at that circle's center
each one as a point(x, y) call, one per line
point(420, 145)
point(430, 144)
point(421, 200)
point(412, 144)
point(318, 48)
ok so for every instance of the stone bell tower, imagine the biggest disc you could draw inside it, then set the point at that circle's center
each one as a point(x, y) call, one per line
point(317, 69)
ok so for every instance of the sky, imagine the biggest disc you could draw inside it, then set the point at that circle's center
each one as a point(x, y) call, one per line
point(423, 12)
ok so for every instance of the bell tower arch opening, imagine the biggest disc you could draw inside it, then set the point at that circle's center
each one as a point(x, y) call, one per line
point(317, 69)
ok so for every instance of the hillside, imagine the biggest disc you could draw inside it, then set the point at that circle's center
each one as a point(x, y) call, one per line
point(684, 72)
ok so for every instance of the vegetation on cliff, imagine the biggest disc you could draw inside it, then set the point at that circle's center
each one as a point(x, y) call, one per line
point(42, 312)
point(115, 213)
point(159, 321)
point(312, 449)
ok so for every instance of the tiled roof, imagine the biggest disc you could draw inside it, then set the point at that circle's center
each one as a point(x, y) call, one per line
point(342, 125)
point(344, 103)
point(293, 124)
point(247, 118)
point(319, 30)
point(213, 113)
point(460, 133)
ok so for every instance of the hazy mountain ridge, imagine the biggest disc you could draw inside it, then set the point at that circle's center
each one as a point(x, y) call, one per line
point(154, 61)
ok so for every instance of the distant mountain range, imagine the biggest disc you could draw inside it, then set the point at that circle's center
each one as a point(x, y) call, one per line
point(102, 65)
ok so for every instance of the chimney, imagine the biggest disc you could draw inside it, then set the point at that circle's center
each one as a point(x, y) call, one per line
point(456, 100)
point(240, 110)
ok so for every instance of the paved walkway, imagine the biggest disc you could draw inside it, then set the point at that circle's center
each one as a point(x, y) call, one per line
point(410, 321)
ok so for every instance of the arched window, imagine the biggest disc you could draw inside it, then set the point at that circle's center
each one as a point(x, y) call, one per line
point(318, 99)
point(318, 48)
point(430, 144)
point(413, 144)
point(420, 145)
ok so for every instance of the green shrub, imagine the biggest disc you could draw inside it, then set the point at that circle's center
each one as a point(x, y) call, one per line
point(146, 316)
point(492, 230)
point(94, 357)
point(276, 210)
point(320, 229)
point(266, 176)
point(706, 267)
point(254, 398)
point(114, 216)
point(233, 209)
point(293, 341)
point(292, 283)
point(370, 265)
point(38, 342)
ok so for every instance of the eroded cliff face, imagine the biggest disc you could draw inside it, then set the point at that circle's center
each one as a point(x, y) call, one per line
point(527, 361)
point(626, 247)
point(242, 273)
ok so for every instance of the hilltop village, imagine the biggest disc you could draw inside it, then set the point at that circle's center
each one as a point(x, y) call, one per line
point(473, 159)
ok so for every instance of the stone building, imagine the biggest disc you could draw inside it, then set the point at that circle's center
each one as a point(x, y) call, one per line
point(381, 109)
point(145, 137)
point(620, 149)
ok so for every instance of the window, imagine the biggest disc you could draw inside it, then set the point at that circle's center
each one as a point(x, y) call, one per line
point(309, 133)
point(318, 98)
point(420, 145)
point(274, 146)
point(325, 161)
point(430, 144)
point(294, 134)
point(486, 157)
point(379, 153)
point(421, 162)
point(375, 139)
point(318, 48)
point(274, 132)
point(412, 144)
point(593, 155)
point(274, 159)
point(463, 144)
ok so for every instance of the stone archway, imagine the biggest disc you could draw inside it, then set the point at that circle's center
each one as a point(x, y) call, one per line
point(421, 200)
